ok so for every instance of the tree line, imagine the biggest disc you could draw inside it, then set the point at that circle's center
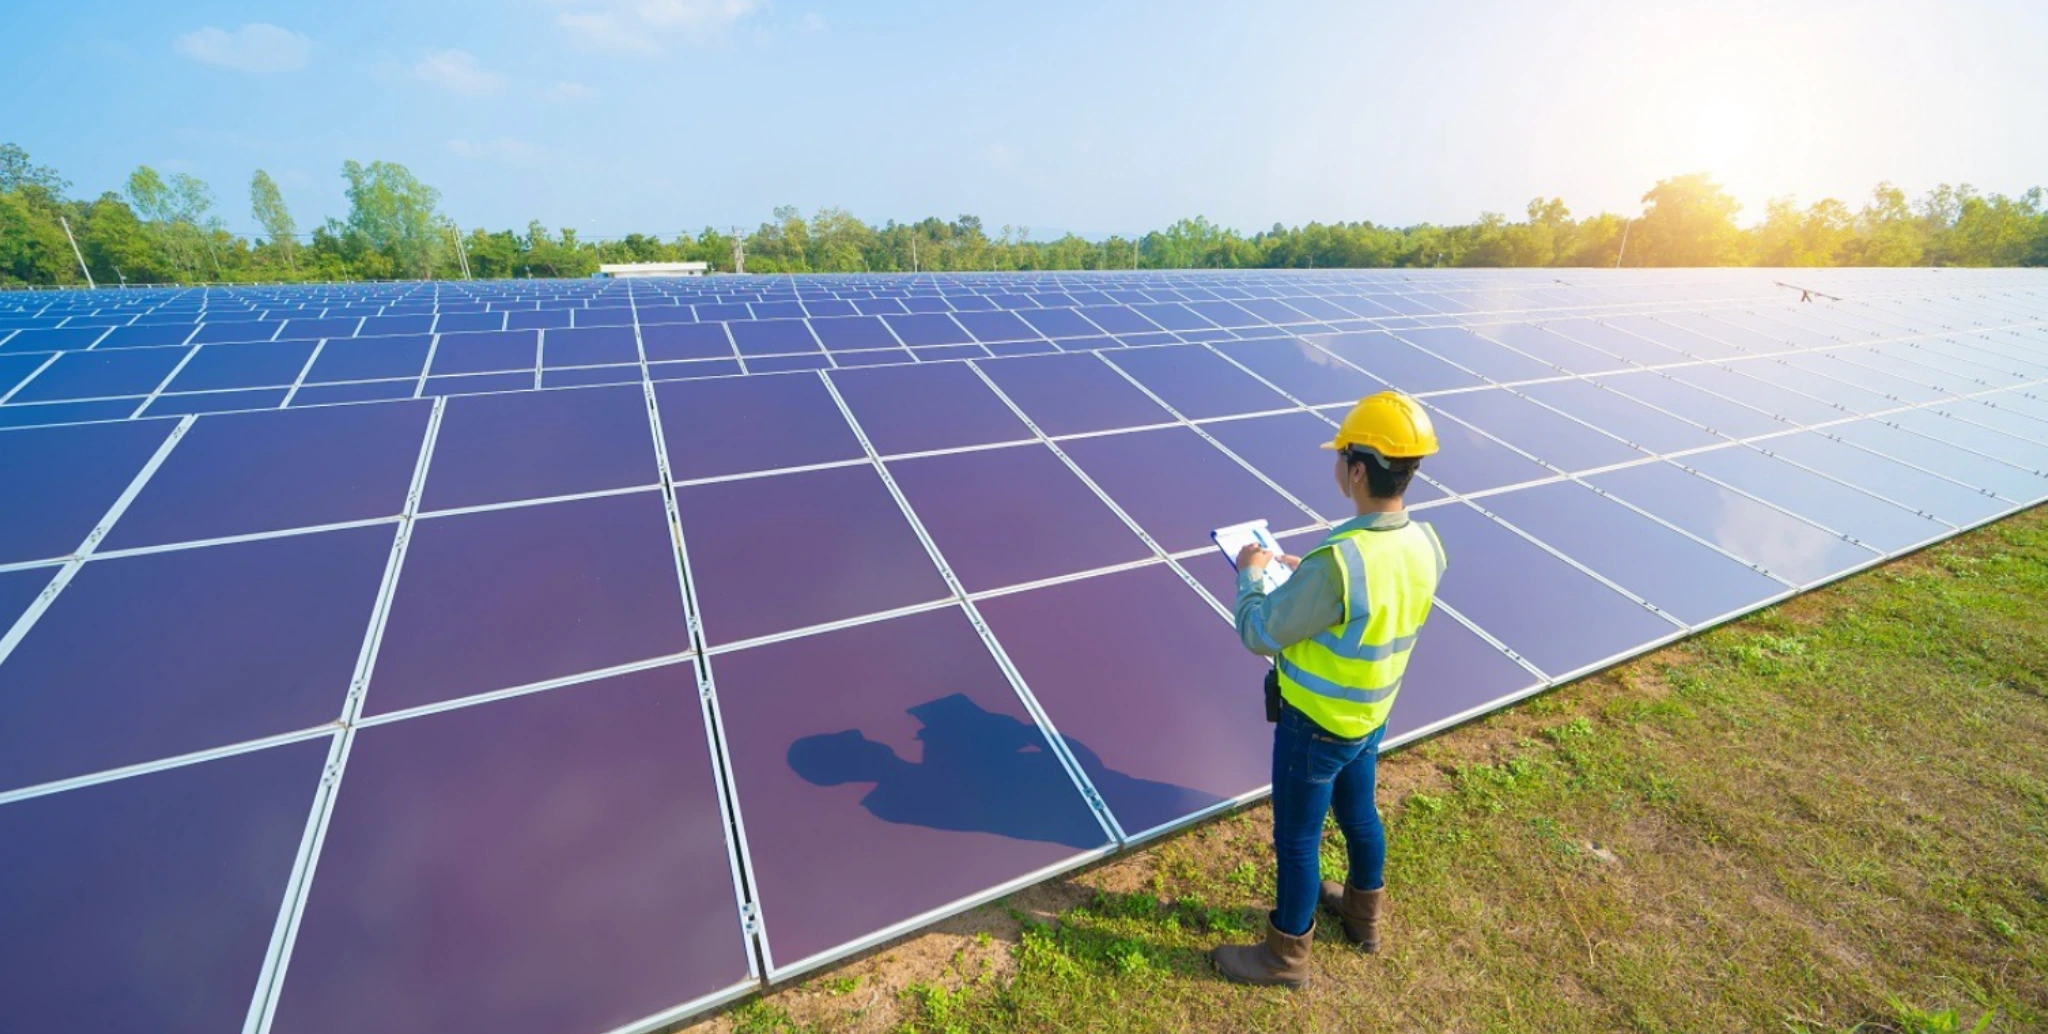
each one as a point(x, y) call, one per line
point(173, 229)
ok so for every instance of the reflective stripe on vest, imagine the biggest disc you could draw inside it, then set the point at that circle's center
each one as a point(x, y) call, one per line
point(1323, 687)
point(1345, 678)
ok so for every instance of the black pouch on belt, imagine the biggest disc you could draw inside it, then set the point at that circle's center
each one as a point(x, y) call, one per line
point(1273, 695)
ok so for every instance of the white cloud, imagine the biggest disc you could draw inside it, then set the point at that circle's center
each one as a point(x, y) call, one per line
point(566, 91)
point(457, 72)
point(255, 47)
point(504, 149)
point(651, 26)
point(999, 156)
point(812, 21)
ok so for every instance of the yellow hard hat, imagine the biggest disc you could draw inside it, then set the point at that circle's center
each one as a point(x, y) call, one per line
point(1389, 423)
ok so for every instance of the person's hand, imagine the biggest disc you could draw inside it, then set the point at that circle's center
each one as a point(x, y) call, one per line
point(1253, 558)
point(1288, 560)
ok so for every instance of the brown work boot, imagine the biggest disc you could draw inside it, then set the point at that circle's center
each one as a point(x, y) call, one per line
point(1360, 910)
point(1281, 960)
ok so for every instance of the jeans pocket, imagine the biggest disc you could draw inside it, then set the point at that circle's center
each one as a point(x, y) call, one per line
point(1321, 760)
point(1291, 749)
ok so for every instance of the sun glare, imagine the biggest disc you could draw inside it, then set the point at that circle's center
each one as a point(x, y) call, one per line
point(1723, 137)
point(1739, 112)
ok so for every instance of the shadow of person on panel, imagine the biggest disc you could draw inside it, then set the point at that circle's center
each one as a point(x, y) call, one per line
point(981, 772)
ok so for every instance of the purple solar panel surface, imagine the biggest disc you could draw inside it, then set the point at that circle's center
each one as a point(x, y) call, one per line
point(1149, 688)
point(215, 402)
point(1469, 461)
point(854, 332)
point(1302, 370)
point(486, 352)
point(19, 588)
point(766, 559)
point(590, 346)
point(921, 408)
point(86, 375)
point(1007, 516)
point(221, 367)
point(1178, 487)
point(1547, 434)
point(1198, 383)
point(1860, 515)
point(1398, 363)
point(718, 427)
point(1453, 674)
point(1681, 576)
point(372, 358)
point(1073, 394)
point(1784, 545)
point(1544, 609)
point(921, 767)
point(147, 903)
point(772, 337)
point(62, 480)
point(239, 473)
point(536, 444)
point(550, 862)
point(232, 643)
point(686, 341)
point(500, 598)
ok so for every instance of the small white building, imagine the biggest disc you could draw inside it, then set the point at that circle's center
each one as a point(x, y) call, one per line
point(627, 269)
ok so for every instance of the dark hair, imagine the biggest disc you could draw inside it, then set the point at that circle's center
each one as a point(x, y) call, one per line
point(1384, 478)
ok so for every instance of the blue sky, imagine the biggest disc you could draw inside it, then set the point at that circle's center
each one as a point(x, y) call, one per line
point(662, 115)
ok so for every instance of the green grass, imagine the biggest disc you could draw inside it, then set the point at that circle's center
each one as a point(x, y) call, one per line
point(1829, 817)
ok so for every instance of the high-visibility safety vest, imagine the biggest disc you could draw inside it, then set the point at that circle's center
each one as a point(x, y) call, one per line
point(1345, 678)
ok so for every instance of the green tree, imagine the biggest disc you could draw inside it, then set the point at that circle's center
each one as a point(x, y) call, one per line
point(192, 215)
point(546, 255)
point(18, 173)
point(839, 243)
point(392, 213)
point(782, 245)
point(1187, 244)
point(1690, 221)
point(267, 204)
point(179, 214)
point(151, 200)
point(1886, 232)
point(32, 245)
point(1823, 235)
point(1994, 230)
point(118, 247)
point(1540, 241)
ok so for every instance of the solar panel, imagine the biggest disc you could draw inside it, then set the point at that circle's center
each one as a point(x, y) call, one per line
point(322, 603)
point(587, 818)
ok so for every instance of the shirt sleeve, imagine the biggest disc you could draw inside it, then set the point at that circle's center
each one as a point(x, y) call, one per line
point(1312, 601)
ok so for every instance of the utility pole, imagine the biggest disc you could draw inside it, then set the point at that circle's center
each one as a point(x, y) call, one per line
point(214, 255)
point(461, 253)
point(74, 251)
point(1623, 250)
point(913, 253)
point(739, 251)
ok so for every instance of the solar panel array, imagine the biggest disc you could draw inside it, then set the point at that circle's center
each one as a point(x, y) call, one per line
point(575, 656)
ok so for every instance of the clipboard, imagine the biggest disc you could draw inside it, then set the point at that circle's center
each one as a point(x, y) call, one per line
point(1233, 538)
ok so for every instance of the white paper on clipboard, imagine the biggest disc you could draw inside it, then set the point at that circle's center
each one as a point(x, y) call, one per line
point(1232, 540)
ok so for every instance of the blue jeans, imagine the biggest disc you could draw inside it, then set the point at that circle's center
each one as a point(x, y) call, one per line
point(1313, 772)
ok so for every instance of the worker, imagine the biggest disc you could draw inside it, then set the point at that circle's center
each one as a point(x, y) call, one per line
point(1341, 630)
